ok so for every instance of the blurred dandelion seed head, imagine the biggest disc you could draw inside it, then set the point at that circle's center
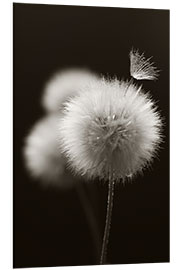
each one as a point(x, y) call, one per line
point(110, 129)
point(42, 155)
point(65, 84)
point(142, 68)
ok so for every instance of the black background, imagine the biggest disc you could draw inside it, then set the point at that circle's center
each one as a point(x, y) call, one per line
point(50, 228)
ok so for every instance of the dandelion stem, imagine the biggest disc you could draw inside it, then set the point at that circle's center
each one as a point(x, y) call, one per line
point(108, 220)
point(91, 219)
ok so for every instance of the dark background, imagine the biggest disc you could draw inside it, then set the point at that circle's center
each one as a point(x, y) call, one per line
point(50, 228)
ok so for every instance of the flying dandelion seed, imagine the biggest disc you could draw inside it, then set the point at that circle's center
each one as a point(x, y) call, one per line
point(110, 130)
point(63, 85)
point(141, 68)
point(42, 156)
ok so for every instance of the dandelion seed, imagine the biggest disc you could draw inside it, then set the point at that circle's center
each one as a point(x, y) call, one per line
point(110, 129)
point(63, 85)
point(42, 155)
point(141, 68)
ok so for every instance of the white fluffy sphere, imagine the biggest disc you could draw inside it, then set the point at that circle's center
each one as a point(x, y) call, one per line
point(65, 84)
point(42, 155)
point(110, 130)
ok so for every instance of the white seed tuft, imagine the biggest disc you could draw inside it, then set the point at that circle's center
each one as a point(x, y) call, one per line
point(141, 68)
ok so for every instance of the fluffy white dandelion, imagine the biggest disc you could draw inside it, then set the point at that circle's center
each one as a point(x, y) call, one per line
point(65, 84)
point(42, 155)
point(142, 68)
point(110, 130)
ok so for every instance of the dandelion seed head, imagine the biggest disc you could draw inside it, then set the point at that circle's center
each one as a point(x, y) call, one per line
point(111, 129)
point(64, 84)
point(43, 158)
point(142, 68)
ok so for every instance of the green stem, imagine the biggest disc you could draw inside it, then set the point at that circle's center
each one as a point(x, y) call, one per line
point(108, 221)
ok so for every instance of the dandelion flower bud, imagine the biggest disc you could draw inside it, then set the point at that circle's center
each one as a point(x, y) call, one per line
point(42, 155)
point(110, 130)
point(63, 85)
point(141, 68)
